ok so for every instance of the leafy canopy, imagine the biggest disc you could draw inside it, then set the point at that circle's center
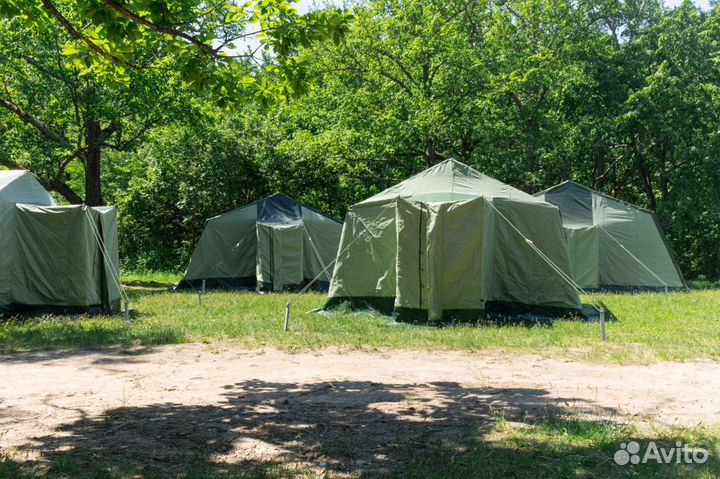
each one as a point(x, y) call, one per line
point(207, 42)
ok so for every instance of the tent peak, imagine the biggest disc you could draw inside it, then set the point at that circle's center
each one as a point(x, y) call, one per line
point(8, 176)
point(451, 180)
point(278, 195)
point(21, 186)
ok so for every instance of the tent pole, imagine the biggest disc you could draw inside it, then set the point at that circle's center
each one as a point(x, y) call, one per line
point(603, 332)
point(127, 309)
point(287, 315)
point(201, 293)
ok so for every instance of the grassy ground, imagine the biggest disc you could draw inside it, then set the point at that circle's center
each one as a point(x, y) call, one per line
point(646, 327)
point(548, 446)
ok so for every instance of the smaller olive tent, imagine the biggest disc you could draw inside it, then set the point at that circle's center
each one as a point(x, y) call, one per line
point(451, 243)
point(273, 244)
point(51, 257)
point(612, 244)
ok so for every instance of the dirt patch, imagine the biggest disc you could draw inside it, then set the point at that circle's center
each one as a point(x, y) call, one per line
point(215, 405)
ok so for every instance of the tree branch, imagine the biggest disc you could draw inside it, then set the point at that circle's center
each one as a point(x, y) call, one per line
point(160, 28)
point(80, 37)
point(30, 120)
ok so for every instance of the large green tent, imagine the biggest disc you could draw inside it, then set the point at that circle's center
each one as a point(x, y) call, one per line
point(451, 242)
point(612, 244)
point(273, 244)
point(56, 258)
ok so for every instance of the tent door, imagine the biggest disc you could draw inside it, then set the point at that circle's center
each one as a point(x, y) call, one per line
point(280, 255)
point(411, 290)
point(454, 267)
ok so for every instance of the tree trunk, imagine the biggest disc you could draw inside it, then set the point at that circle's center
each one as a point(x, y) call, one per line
point(432, 157)
point(647, 185)
point(532, 162)
point(599, 174)
point(64, 190)
point(93, 185)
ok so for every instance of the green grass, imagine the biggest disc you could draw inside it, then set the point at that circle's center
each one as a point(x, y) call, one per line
point(647, 327)
point(142, 278)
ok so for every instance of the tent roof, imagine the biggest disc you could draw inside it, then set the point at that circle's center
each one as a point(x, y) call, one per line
point(569, 186)
point(451, 181)
point(278, 208)
point(576, 202)
point(8, 176)
point(20, 186)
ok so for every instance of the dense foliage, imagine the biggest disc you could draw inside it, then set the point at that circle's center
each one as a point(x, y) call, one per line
point(620, 96)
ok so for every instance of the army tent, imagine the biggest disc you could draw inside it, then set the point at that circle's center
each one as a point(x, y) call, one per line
point(451, 242)
point(57, 258)
point(612, 244)
point(272, 244)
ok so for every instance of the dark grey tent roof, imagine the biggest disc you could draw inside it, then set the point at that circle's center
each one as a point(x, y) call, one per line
point(612, 243)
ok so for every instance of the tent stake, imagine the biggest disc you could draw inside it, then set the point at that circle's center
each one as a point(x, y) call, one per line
point(603, 332)
point(127, 309)
point(287, 316)
point(200, 294)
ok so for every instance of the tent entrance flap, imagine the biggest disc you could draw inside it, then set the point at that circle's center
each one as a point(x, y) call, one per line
point(280, 254)
point(411, 259)
point(439, 259)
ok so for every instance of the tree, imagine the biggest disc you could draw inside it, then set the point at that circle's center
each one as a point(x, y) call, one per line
point(105, 65)
point(394, 97)
point(60, 120)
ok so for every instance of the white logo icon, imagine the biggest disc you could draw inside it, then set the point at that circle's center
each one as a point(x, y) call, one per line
point(628, 453)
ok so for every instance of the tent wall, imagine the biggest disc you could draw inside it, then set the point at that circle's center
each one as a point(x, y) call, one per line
point(53, 259)
point(364, 273)
point(442, 260)
point(456, 263)
point(321, 240)
point(280, 255)
point(411, 260)
point(226, 253)
point(107, 228)
point(519, 275)
point(584, 251)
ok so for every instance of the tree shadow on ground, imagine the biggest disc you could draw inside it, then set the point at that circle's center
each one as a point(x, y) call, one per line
point(107, 357)
point(137, 289)
point(334, 429)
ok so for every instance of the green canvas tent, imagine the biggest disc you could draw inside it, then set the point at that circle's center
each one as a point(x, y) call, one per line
point(273, 244)
point(50, 256)
point(448, 243)
point(612, 244)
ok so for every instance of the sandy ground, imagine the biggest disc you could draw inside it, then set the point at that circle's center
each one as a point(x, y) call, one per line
point(227, 405)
